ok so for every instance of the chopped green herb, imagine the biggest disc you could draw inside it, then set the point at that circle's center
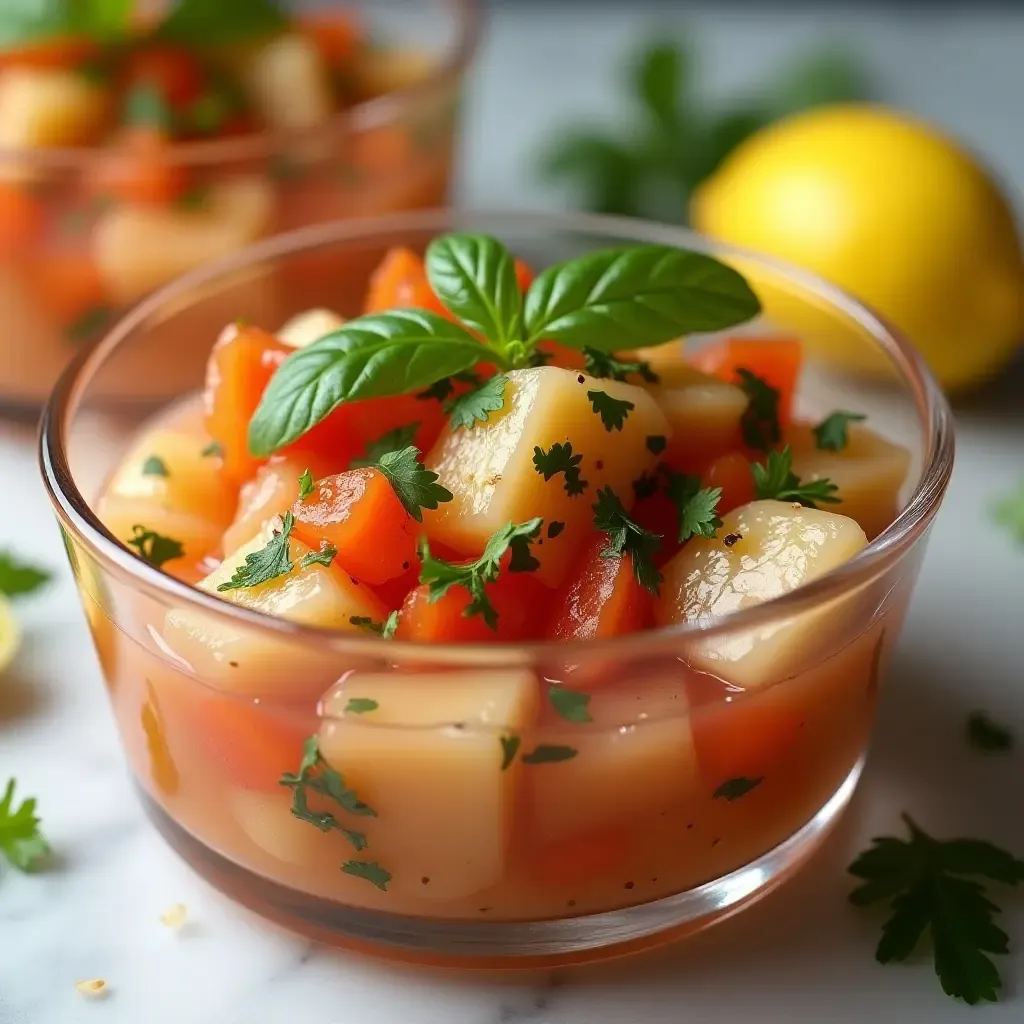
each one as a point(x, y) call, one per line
point(988, 736)
point(271, 561)
point(627, 537)
point(360, 705)
point(555, 528)
point(603, 364)
point(153, 547)
point(695, 506)
point(19, 578)
point(733, 789)
point(370, 870)
point(146, 107)
point(21, 842)
point(657, 443)
point(385, 629)
point(440, 575)
point(922, 878)
point(305, 485)
point(445, 387)
point(831, 433)
point(154, 466)
point(89, 324)
point(323, 556)
point(393, 441)
point(646, 485)
point(570, 704)
point(759, 423)
point(613, 411)
point(475, 406)
point(559, 458)
point(509, 749)
point(545, 754)
point(213, 448)
point(776, 479)
point(415, 486)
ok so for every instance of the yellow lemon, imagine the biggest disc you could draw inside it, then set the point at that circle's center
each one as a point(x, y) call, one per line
point(10, 633)
point(893, 212)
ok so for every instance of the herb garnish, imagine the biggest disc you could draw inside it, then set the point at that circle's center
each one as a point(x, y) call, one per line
point(154, 547)
point(627, 537)
point(440, 575)
point(412, 482)
point(475, 406)
point(629, 296)
point(213, 448)
point(360, 706)
point(154, 466)
point(986, 735)
point(831, 433)
point(19, 578)
point(509, 749)
point(21, 842)
point(393, 441)
point(656, 443)
point(305, 485)
point(385, 629)
point(776, 479)
point(445, 387)
point(545, 754)
point(555, 527)
point(759, 423)
point(324, 555)
point(733, 789)
point(370, 870)
point(271, 561)
point(695, 505)
point(570, 704)
point(604, 364)
point(613, 411)
point(559, 458)
point(922, 879)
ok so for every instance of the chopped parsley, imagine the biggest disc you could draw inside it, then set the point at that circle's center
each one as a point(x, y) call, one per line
point(272, 560)
point(695, 506)
point(412, 482)
point(509, 748)
point(559, 458)
point(613, 411)
point(570, 704)
point(657, 443)
point(602, 364)
point(21, 842)
point(323, 556)
point(305, 485)
point(831, 433)
point(370, 870)
point(213, 448)
point(385, 629)
point(545, 754)
point(360, 706)
point(555, 528)
point(733, 789)
point(444, 388)
point(776, 479)
point(627, 537)
point(475, 406)
point(759, 423)
point(153, 547)
point(154, 466)
point(393, 441)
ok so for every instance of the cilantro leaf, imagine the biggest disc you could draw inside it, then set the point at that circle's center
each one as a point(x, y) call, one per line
point(921, 879)
point(831, 433)
point(627, 537)
point(759, 423)
point(733, 789)
point(17, 578)
point(385, 629)
point(509, 749)
point(559, 458)
point(412, 482)
point(154, 466)
point(570, 704)
point(1009, 512)
point(443, 388)
point(545, 754)
point(695, 506)
point(603, 364)
point(776, 479)
point(360, 705)
point(440, 575)
point(21, 842)
point(305, 485)
point(393, 441)
point(153, 547)
point(370, 870)
point(988, 736)
point(473, 406)
point(323, 556)
point(613, 411)
point(271, 561)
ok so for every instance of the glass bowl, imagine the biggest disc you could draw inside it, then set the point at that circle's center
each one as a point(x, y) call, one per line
point(71, 268)
point(512, 837)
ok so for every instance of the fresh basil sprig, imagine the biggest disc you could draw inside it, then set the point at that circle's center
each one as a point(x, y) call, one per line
point(615, 299)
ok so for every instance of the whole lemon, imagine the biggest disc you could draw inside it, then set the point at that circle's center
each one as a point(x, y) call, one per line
point(893, 212)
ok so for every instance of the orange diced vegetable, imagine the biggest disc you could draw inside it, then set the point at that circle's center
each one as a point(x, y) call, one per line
point(21, 219)
point(68, 282)
point(582, 858)
point(732, 473)
point(139, 168)
point(61, 52)
point(360, 515)
point(400, 282)
point(336, 36)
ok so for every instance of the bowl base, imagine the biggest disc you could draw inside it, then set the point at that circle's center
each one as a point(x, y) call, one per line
point(513, 945)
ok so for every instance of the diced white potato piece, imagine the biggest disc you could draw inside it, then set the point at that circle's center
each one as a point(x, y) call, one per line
point(50, 107)
point(634, 760)
point(428, 760)
point(305, 328)
point(869, 472)
point(168, 467)
point(289, 83)
point(774, 547)
point(253, 661)
point(491, 473)
point(198, 534)
point(138, 248)
point(270, 493)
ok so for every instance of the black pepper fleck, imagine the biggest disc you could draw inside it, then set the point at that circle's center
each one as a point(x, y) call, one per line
point(731, 539)
point(581, 379)
point(689, 826)
point(405, 565)
point(570, 903)
point(599, 464)
point(715, 842)
point(355, 582)
point(628, 885)
point(233, 664)
point(425, 880)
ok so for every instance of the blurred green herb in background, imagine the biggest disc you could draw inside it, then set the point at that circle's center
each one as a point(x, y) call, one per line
point(650, 170)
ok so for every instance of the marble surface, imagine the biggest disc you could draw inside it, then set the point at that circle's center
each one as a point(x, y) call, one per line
point(802, 954)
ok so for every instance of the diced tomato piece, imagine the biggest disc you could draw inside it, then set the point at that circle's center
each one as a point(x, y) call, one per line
point(360, 514)
point(400, 282)
point(524, 275)
point(336, 36)
point(775, 361)
point(732, 473)
point(239, 368)
point(394, 592)
point(139, 168)
point(601, 598)
point(22, 219)
point(582, 858)
point(173, 71)
point(520, 601)
point(68, 282)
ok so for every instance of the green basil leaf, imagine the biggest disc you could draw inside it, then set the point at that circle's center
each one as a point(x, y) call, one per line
point(222, 22)
point(475, 277)
point(370, 357)
point(631, 297)
point(24, 21)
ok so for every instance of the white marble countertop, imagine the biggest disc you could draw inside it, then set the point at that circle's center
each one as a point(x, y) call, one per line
point(802, 954)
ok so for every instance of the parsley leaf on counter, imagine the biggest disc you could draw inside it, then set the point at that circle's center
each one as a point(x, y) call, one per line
point(627, 537)
point(473, 406)
point(776, 479)
point(613, 411)
point(17, 578)
point(154, 466)
point(385, 629)
point(393, 441)
point(695, 506)
point(988, 736)
point(21, 842)
point(603, 364)
point(413, 483)
point(831, 433)
point(922, 878)
point(759, 423)
point(440, 575)
point(1009, 512)
point(559, 458)
point(271, 561)
point(154, 547)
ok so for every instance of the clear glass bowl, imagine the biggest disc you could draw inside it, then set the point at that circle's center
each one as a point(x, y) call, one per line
point(86, 261)
point(634, 839)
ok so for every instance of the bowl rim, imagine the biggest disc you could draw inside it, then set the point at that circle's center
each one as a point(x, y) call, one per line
point(364, 116)
point(910, 525)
